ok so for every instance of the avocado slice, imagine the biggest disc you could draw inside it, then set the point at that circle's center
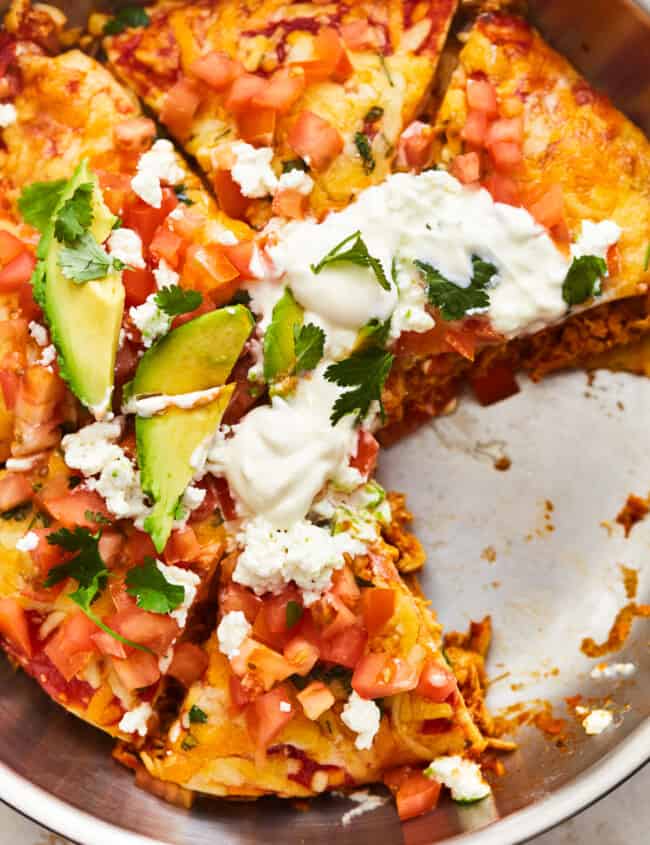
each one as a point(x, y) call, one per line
point(165, 444)
point(195, 356)
point(84, 319)
point(279, 343)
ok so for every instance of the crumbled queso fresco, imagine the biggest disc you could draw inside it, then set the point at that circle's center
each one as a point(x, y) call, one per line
point(363, 717)
point(463, 777)
point(233, 629)
point(159, 164)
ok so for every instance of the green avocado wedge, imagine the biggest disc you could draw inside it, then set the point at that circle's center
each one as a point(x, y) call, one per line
point(195, 356)
point(165, 443)
point(84, 319)
point(279, 343)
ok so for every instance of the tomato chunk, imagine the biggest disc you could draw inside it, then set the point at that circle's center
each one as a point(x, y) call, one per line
point(236, 597)
point(345, 648)
point(154, 630)
point(140, 669)
point(482, 96)
point(10, 247)
point(415, 146)
point(207, 269)
point(506, 129)
point(15, 489)
point(188, 664)
point(316, 138)
point(18, 271)
point(344, 587)
point(265, 664)
point(182, 546)
point(216, 69)
point(475, 128)
point(138, 284)
point(503, 188)
point(466, 168)
point(437, 682)
point(180, 106)
point(377, 607)
point(71, 643)
point(378, 675)
point(301, 654)
point(243, 90)
point(257, 126)
point(506, 155)
point(14, 626)
point(229, 195)
point(365, 459)
point(268, 714)
point(417, 795)
point(136, 134)
point(167, 245)
point(289, 203)
point(284, 89)
point(315, 699)
point(240, 256)
point(549, 208)
point(145, 219)
point(76, 508)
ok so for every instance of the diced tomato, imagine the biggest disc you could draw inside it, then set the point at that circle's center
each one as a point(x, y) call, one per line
point(256, 126)
point(275, 608)
point(301, 654)
point(344, 587)
point(437, 682)
point(330, 59)
point(108, 645)
point(72, 508)
point(345, 648)
point(30, 309)
point(236, 597)
point(496, 384)
point(45, 555)
point(482, 96)
point(116, 190)
point(315, 699)
point(461, 341)
point(503, 188)
point(186, 224)
point(182, 546)
point(240, 256)
point(268, 714)
point(548, 210)
point(342, 620)
point(261, 631)
point(239, 696)
point(613, 258)
point(262, 662)
point(139, 670)
point(284, 89)
point(180, 106)
point(145, 219)
point(365, 459)
point(207, 269)
point(506, 155)
point(378, 675)
point(417, 795)
point(314, 137)
point(415, 146)
point(36, 412)
point(121, 599)
point(18, 271)
point(167, 245)
point(15, 489)
point(229, 195)
point(466, 168)
point(156, 631)
point(394, 778)
point(71, 643)
point(475, 128)
point(138, 546)
point(9, 383)
point(226, 501)
point(135, 135)
point(377, 607)
point(14, 625)
point(509, 129)
point(357, 35)
point(188, 663)
point(217, 70)
point(289, 203)
point(110, 546)
point(242, 91)
point(10, 247)
point(139, 283)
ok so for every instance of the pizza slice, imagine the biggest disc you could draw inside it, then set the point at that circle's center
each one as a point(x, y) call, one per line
point(285, 106)
point(518, 120)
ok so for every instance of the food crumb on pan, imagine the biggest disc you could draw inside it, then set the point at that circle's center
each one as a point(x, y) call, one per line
point(634, 510)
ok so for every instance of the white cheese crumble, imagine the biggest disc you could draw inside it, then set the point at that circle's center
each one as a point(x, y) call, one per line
point(186, 579)
point(233, 629)
point(119, 486)
point(296, 180)
point(252, 169)
point(135, 721)
point(159, 164)
point(363, 717)
point(597, 721)
point(8, 115)
point(23, 464)
point(47, 356)
point(463, 777)
point(304, 553)
point(148, 406)
point(39, 333)
point(613, 670)
point(126, 245)
point(151, 320)
point(165, 276)
point(92, 447)
point(28, 542)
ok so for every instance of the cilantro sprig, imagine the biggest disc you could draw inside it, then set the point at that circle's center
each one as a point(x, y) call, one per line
point(365, 372)
point(130, 17)
point(39, 201)
point(152, 591)
point(451, 299)
point(353, 250)
point(75, 215)
point(197, 716)
point(309, 343)
point(87, 261)
point(88, 570)
point(583, 279)
point(174, 300)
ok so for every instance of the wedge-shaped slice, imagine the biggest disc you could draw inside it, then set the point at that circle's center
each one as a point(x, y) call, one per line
point(328, 88)
point(518, 120)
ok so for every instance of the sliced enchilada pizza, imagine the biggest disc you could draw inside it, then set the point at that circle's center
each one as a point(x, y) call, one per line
point(287, 106)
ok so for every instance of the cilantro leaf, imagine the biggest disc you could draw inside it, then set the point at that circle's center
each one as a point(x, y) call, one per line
point(181, 194)
point(130, 17)
point(357, 254)
point(39, 201)
point(95, 516)
point(174, 300)
point(364, 148)
point(455, 301)
point(295, 164)
point(196, 715)
point(374, 114)
point(152, 590)
point(88, 569)
point(309, 342)
point(583, 279)
point(86, 260)
point(374, 333)
point(384, 67)
point(293, 613)
point(75, 216)
point(364, 371)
